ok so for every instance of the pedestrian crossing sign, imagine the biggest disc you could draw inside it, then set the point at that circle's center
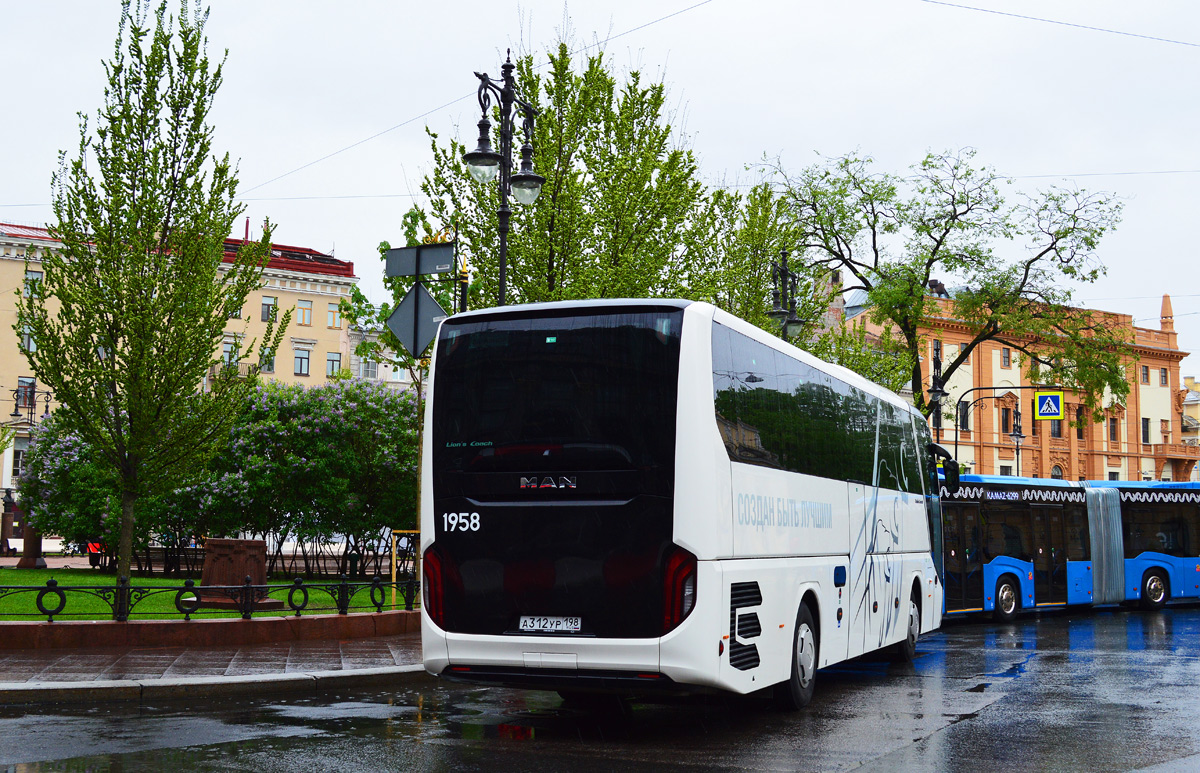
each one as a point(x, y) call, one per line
point(1049, 405)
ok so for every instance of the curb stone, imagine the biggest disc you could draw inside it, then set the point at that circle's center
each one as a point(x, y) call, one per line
point(190, 688)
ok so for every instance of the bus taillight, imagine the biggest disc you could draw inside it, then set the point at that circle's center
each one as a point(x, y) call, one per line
point(432, 590)
point(679, 588)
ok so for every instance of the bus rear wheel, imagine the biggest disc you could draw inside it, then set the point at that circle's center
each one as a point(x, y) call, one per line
point(905, 651)
point(797, 691)
point(1154, 589)
point(1008, 599)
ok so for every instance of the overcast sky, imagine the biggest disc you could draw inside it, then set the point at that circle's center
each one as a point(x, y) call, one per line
point(326, 104)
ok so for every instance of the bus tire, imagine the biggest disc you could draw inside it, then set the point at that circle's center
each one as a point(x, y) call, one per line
point(905, 651)
point(1008, 599)
point(1155, 590)
point(797, 691)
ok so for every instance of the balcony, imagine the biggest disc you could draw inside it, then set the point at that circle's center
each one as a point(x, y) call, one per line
point(232, 370)
point(1186, 451)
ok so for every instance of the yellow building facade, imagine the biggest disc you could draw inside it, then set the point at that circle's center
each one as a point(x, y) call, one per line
point(317, 342)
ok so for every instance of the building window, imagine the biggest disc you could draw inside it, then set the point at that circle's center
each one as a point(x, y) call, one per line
point(962, 352)
point(18, 463)
point(26, 391)
point(1006, 420)
point(301, 362)
point(1145, 374)
point(1056, 428)
point(937, 350)
point(1079, 423)
point(1056, 473)
point(33, 280)
point(333, 317)
point(1114, 476)
point(229, 353)
point(1112, 430)
point(399, 373)
point(1145, 432)
point(1006, 469)
point(304, 313)
point(27, 339)
point(235, 314)
point(1005, 357)
point(333, 363)
point(268, 308)
point(1033, 428)
point(1163, 380)
point(964, 416)
point(368, 369)
point(266, 362)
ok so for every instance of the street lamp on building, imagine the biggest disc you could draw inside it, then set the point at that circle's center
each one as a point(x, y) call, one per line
point(486, 165)
point(784, 283)
point(25, 400)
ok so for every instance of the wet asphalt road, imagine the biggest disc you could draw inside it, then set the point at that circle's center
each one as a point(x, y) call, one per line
point(1079, 690)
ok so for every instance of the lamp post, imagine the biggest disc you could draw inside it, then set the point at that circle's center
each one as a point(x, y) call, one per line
point(783, 296)
point(25, 401)
point(6, 525)
point(937, 393)
point(485, 164)
point(1017, 436)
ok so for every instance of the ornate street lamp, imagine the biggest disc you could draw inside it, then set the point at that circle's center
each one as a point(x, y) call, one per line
point(937, 393)
point(25, 400)
point(783, 297)
point(486, 165)
point(1017, 436)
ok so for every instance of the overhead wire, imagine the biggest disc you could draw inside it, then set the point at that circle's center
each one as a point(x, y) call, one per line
point(465, 96)
point(1063, 23)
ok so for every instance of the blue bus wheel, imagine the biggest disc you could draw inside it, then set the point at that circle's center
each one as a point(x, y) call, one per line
point(1008, 599)
point(1154, 589)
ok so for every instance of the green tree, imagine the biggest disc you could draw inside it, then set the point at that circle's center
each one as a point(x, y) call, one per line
point(620, 198)
point(892, 235)
point(142, 291)
point(67, 489)
point(312, 465)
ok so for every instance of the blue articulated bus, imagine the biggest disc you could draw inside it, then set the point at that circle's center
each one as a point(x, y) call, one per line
point(1013, 544)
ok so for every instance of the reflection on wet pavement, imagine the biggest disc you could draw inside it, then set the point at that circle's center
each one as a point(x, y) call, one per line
point(1078, 690)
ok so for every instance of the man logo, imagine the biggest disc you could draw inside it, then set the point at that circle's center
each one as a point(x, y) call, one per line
point(548, 482)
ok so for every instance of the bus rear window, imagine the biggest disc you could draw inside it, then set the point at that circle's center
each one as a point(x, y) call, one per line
point(593, 391)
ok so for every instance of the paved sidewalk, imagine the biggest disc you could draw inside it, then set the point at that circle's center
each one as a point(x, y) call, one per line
point(123, 673)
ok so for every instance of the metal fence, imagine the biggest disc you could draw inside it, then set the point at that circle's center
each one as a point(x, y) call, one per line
point(341, 596)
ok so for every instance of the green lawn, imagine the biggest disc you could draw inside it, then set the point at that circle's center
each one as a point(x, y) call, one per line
point(154, 605)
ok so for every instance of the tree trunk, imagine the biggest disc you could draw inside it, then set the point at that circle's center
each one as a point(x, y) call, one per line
point(125, 542)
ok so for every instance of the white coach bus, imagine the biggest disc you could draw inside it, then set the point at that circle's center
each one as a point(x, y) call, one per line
point(630, 496)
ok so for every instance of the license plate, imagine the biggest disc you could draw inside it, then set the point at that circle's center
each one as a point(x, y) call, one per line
point(550, 624)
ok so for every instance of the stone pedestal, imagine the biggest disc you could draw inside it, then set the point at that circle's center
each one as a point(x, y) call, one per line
point(31, 556)
point(230, 562)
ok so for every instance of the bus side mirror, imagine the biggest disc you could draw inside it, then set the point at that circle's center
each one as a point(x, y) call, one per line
point(950, 468)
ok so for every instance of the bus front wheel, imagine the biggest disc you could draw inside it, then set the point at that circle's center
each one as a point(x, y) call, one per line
point(1008, 599)
point(797, 691)
point(1154, 589)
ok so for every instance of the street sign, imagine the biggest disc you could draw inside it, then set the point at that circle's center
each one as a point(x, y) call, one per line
point(415, 320)
point(1049, 405)
point(418, 260)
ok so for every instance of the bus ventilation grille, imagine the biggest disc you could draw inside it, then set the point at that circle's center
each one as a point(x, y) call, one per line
point(744, 625)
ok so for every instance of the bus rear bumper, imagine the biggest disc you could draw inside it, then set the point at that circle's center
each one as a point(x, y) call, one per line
point(586, 680)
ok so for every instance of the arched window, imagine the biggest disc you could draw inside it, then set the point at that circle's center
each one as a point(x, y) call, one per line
point(1056, 472)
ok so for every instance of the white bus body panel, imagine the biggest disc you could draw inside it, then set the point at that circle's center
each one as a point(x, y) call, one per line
point(786, 532)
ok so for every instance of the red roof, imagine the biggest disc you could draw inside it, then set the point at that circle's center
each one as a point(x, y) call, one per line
point(283, 257)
